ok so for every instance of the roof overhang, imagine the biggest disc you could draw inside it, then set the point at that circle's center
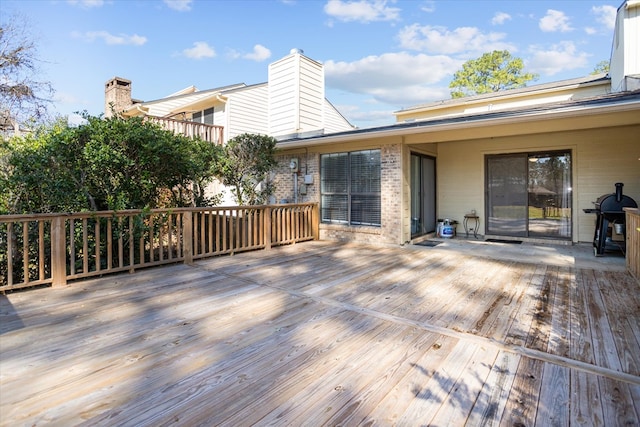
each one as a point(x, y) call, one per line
point(619, 113)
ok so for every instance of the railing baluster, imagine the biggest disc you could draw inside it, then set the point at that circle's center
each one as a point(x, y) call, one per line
point(96, 227)
point(179, 235)
point(85, 247)
point(170, 217)
point(10, 253)
point(41, 249)
point(203, 229)
point(225, 226)
point(72, 247)
point(210, 232)
point(151, 242)
point(25, 252)
point(132, 250)
point(120, 243)
point(109, 245)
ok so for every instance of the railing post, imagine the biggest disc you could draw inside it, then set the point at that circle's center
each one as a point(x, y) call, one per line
point(58, 252)
point(267, 227)
point(187, 236)
point(315, 221)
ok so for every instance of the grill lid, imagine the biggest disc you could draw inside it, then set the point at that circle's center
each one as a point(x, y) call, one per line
point(615, 202)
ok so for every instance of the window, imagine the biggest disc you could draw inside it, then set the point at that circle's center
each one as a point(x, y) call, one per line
point(205, 116)
point(350, 188)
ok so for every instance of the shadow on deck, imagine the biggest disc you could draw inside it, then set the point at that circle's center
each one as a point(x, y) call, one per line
point(325, 334)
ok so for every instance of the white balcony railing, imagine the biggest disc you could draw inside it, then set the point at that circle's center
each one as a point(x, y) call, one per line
point(211, 133)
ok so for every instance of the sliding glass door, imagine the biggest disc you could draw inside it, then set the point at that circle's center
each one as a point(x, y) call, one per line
point(529, 195)
point(423, 194)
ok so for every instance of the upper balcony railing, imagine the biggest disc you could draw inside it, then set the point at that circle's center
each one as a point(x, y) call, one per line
point(211, 133)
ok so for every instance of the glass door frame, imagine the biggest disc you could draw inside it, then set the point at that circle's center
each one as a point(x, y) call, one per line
point(564, 228)
point(418, 226)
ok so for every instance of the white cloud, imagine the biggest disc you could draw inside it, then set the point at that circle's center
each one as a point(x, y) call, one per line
point(590, 30)
point(561, 57)
point(111, 39)
point(468, 40)
point(260, 53)
point(428, 6)
point(199, 50)
point(86, 4)
point(179, 5)
point(356, 113)
point(500, 18)
point(396, 78)
point(361, 11)
point(555, 20)
point(605, 15)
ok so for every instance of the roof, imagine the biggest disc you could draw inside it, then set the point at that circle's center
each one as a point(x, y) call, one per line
point(519, 92)
point(189, 99)
point(620, 101)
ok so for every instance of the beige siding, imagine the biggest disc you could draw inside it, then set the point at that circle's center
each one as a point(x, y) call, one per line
point(522, 100)
point(296, 95)
point(247, 112)
point(333, 120)
point(601, 158)
point(625, 55)
point(174, 105)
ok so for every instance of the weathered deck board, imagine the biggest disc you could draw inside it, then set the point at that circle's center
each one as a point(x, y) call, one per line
point(325, 334)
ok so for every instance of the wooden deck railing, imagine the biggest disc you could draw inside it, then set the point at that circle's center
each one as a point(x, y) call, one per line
point(211, 133)
point(55, 248)
point(632, 220)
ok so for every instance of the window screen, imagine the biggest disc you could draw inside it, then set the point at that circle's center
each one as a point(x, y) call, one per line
point(208, 116)
point(350, 187)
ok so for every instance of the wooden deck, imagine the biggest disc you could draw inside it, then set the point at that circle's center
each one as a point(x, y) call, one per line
point(324, 334)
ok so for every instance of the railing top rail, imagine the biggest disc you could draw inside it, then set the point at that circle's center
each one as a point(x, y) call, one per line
point(127, 212)
point(184, 121)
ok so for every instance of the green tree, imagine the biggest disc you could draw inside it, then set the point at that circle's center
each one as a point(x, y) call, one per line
point(601, 67)
point(244, 165)
point(112, 163)
point(492, 72)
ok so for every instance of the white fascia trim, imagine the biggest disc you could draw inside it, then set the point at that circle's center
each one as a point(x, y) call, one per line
point(530, 117)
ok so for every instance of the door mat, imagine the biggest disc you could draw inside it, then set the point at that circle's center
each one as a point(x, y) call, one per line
point(514, 242)
point(429, 243)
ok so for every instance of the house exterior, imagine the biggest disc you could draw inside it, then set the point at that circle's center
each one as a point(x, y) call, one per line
point(526, 161)
point(290, 104)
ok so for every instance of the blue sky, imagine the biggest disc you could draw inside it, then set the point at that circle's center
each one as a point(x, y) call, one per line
point(379, 56)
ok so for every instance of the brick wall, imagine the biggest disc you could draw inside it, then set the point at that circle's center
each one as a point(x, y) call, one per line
point(284, 180)
point(391, 187)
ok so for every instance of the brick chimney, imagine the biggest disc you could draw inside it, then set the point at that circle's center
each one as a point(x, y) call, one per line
point(117, 96)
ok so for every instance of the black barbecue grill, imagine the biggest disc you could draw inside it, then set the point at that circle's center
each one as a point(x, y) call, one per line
point(609, 210)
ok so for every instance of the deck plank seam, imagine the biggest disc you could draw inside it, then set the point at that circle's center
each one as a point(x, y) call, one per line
point(516, 349)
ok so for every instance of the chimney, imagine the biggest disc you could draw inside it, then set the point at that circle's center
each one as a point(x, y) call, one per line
point(296, 95)
point(625, 52)
point(117, 96)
